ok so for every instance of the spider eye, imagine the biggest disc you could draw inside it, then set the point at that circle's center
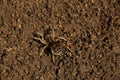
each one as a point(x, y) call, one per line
point(40, 36)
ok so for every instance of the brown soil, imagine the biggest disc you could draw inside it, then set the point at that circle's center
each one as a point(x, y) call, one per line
point(91, 26)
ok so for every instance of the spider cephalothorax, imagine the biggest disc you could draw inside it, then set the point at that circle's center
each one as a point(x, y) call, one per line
point(51, 44)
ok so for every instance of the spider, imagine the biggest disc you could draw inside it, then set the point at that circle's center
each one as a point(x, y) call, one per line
point(51, 44)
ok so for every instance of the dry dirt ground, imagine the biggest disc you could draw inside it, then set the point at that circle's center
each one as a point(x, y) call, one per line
point(92, 28)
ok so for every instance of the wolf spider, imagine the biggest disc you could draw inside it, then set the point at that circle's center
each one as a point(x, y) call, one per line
point(51, 44)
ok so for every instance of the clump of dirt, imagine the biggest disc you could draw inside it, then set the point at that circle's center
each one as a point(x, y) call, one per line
point(92, 28)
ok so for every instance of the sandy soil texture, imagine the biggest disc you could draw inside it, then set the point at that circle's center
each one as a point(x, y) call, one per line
point(92, 28)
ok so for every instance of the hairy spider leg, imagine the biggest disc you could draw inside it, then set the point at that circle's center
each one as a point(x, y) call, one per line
point(40, 38)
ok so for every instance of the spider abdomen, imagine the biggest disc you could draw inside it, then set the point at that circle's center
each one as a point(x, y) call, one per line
point(58, 49)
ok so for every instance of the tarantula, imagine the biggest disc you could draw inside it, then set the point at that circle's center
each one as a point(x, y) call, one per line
point(51, 44)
